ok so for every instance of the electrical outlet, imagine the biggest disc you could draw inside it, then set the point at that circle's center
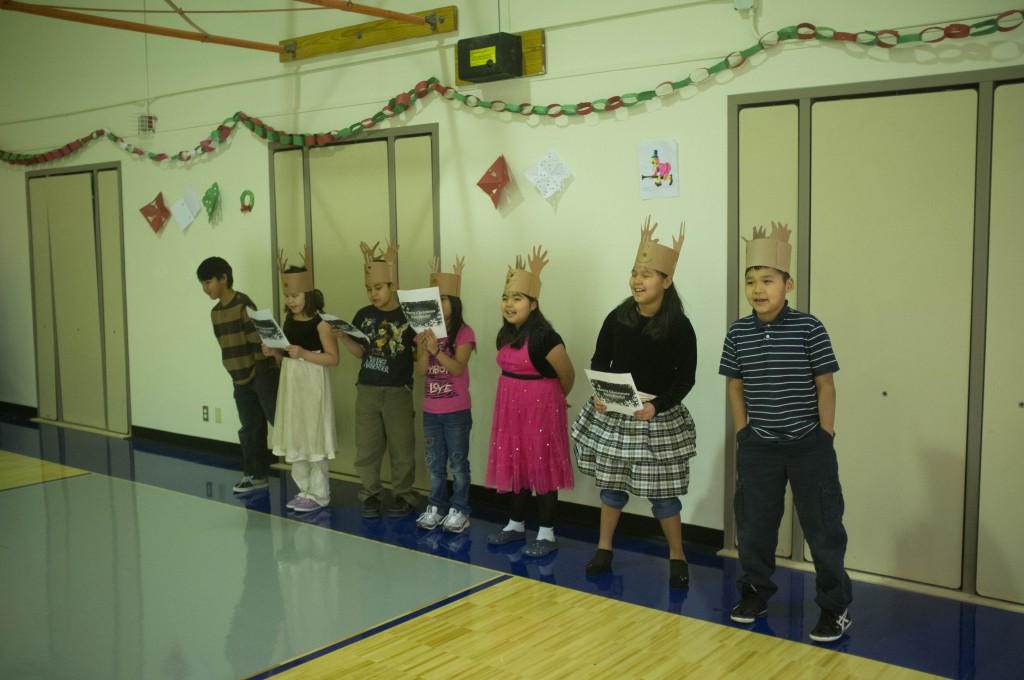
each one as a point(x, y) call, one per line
point(206, 414)
point(216, 414)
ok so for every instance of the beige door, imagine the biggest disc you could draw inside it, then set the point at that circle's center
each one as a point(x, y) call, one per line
point(1001, 499)
point(891, 229)
point(79, 299)
point(768, 191)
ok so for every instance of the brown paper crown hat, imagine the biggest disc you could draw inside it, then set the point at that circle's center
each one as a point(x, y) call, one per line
point(772, 250)
point(447, 284)
point(296, 282)
point(379, 265)
point(656, 256)
point(518, 280)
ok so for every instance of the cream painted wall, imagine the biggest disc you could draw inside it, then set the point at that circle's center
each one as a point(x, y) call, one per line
point(99, 79)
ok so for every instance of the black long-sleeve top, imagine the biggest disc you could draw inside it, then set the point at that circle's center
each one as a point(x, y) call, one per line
point(665, 368)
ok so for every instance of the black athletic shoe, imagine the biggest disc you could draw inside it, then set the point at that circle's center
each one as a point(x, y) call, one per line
point(831, 626)
point(749, 607)
point(371, 507)
point(400, 508)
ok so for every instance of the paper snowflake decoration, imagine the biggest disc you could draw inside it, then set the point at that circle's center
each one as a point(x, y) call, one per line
point(549, 175)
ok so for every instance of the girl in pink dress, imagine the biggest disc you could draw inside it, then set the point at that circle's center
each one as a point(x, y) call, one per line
point(529, 448)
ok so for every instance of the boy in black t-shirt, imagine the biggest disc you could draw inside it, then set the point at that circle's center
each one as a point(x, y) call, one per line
point(384, 411)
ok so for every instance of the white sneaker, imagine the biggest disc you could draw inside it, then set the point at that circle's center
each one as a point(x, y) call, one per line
point(430, 518)
point(456, 522)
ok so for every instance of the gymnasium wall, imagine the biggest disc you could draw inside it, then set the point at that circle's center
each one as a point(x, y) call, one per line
point(71, 79)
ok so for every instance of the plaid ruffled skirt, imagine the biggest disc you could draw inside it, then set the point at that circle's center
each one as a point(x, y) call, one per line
point(650, 459)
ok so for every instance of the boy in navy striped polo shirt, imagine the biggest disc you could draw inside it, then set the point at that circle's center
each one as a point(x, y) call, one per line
point(779, 364)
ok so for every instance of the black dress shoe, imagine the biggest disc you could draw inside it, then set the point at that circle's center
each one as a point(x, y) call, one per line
point(678, 574)
point(601, 562)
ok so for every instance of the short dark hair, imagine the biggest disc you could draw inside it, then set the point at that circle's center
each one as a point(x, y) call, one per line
point(785, 275)
point(214, 268)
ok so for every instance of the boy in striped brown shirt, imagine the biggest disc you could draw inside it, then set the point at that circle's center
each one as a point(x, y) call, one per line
point(254, 375)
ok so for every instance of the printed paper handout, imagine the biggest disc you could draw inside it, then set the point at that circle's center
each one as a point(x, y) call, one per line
point(344, 327)
point(266, 325)
point(422, 307)
point(616, 390)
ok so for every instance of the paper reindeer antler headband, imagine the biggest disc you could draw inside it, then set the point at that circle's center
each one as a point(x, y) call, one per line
point(379, 266)
point(296, 282)
point(773, 250)
point(518, 280)
point(656, 256)
point(447, 284)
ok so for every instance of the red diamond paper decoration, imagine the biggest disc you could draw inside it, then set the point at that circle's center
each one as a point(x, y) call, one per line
point(156, 213)
point(494, 180)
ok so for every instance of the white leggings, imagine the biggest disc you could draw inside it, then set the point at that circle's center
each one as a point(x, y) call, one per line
point(312, 480)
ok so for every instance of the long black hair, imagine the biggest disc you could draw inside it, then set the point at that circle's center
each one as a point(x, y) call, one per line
point(455, 321)
point(661, 324)
point(314, 300)
point(508, 334)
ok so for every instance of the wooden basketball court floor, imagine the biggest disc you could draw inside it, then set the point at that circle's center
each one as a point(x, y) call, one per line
point(122, 560)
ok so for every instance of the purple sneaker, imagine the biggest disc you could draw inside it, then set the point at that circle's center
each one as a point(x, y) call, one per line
point(305, 505)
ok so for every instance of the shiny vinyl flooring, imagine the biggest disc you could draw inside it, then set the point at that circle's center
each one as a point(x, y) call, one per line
point(123, 559)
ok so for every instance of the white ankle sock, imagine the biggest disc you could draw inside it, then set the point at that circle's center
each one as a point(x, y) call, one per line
point(515, 526)
point(546, 534)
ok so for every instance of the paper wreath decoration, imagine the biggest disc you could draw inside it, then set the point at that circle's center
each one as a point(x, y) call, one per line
point(495, 179)
point(248, 200)
point(210, 200)
point(549, 175)
point(156, 213)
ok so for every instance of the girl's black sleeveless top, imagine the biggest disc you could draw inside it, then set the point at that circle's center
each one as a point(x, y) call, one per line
point(304, 333)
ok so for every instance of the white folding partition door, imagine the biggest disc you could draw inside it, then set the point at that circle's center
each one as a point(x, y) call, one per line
point(78, 291)
point(1001, 505)
point(892, 221)
point(357, 191)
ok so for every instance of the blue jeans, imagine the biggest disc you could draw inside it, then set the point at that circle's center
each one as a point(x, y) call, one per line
point(809, 465)
point(660, 507)
point(446, 441)
point(256, 402)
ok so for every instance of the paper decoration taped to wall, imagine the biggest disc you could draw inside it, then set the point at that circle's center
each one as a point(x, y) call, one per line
point(549, 175)
point(248, 200)
point(658, 161)
point(211, 199)
point(495, 180)
point(186, 209)
point(156, 213)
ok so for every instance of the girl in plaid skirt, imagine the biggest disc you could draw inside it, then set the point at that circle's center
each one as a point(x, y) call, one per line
point(648, 452)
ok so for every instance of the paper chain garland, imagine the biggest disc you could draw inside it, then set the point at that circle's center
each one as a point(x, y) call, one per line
point(887, 39)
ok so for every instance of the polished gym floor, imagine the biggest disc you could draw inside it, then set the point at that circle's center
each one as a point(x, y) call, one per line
point(122, 559)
